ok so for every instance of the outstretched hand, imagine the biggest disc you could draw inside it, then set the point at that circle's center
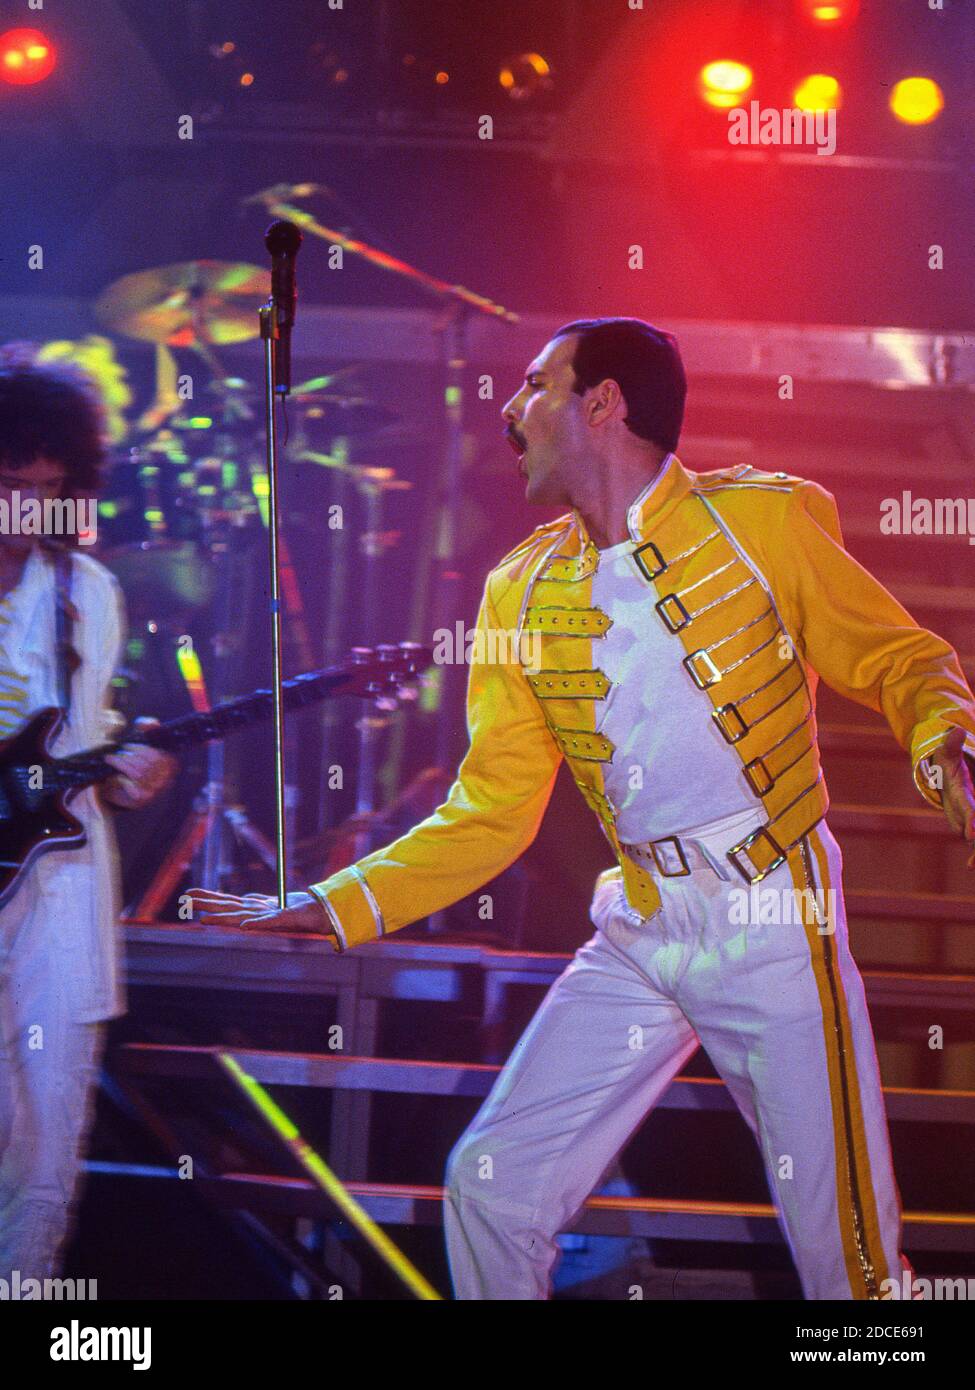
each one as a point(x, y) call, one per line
point(957, 787)
point(257, 912)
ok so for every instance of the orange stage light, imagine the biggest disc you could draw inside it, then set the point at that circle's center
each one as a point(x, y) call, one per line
point(525, 75)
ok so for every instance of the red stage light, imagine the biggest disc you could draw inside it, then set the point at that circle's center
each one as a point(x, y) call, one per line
point(26, 56)
point(831, 14)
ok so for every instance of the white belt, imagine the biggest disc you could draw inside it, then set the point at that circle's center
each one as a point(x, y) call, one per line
point(719, 847)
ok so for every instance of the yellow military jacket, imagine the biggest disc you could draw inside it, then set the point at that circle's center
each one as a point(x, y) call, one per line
point(747, 571)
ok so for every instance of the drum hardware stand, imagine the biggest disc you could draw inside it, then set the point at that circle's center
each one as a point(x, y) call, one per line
point(216, 867)
point(213, 823)
point(335, 639)
point(371, 484)
point(187, 846)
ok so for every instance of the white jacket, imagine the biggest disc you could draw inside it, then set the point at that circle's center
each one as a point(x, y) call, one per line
point(66, 909)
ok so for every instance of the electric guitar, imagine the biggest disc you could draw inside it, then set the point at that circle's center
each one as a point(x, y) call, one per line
point(35, 789)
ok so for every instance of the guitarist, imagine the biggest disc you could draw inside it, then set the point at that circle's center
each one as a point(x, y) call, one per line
point(61, 632)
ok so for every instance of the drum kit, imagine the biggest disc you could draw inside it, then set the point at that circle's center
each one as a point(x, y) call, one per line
point(183, 514)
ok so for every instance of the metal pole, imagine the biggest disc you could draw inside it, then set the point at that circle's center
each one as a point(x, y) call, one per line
point(446, 602)
point(336, 622)
point(269, 332)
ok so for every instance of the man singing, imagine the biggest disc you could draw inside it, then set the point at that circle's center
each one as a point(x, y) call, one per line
point(60, 641)
point(685, 619)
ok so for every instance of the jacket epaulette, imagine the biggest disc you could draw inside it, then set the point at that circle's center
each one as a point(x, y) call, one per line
point(541, 533)
point(743, 474)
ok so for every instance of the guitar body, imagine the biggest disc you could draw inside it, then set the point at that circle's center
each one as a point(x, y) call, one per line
point(32, 820)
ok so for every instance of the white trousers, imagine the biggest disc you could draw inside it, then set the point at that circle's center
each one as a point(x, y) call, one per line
point(779, 1007)
point(48, 1073)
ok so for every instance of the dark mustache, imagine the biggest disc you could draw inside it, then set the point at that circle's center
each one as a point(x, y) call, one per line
point(517, 436)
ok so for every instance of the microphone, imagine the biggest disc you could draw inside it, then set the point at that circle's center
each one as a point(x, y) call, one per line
point(282, 240)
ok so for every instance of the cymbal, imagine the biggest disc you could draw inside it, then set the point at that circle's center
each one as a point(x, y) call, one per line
point(188, 303)
point(339, 414)
point(383, 478)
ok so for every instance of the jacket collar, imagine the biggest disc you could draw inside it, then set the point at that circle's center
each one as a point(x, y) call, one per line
point(571, 554)
point(650, 507)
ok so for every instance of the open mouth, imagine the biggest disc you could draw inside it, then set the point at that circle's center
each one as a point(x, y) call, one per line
point(516, 442)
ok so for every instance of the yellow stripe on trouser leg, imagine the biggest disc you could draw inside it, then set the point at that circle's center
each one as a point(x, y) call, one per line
point(861, 1149)
point(326, 1179)
point(865, 1262)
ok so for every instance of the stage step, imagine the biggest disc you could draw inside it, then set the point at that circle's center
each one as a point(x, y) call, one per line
point(403, 1204)
point(391, 1076)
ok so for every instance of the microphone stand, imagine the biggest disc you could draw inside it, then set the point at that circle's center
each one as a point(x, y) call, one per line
point(270, 336)
point(459, 304)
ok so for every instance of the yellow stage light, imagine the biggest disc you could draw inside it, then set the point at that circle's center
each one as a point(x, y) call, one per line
point(916, 100)
point(818, 92)
point(724, 83)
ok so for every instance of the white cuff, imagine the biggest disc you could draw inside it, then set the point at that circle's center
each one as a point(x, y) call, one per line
point(321, 897)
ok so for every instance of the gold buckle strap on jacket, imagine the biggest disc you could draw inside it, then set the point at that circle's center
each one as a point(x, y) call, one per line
point(564, 568)
point(651, 562)
point(578, 743)
point(712, 671)
point(564, 685)
point(568, 622)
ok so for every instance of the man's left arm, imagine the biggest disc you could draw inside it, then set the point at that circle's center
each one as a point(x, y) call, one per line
point(865, 645)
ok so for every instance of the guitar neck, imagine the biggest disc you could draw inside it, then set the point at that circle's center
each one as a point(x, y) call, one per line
point(89, 767)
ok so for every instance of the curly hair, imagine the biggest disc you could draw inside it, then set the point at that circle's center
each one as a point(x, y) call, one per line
point(52, 413)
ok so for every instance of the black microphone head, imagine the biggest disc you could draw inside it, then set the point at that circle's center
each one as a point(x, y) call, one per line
point(282, 238)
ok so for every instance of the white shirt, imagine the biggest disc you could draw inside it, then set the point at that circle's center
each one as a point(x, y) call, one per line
point(671, 769)
point(66, 908)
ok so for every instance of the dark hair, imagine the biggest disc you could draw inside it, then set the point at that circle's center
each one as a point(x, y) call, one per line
point(50, 412)
point(645, 362)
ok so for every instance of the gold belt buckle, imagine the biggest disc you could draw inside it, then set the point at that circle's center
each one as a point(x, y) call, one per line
point(684, 870)
point(756, 876)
